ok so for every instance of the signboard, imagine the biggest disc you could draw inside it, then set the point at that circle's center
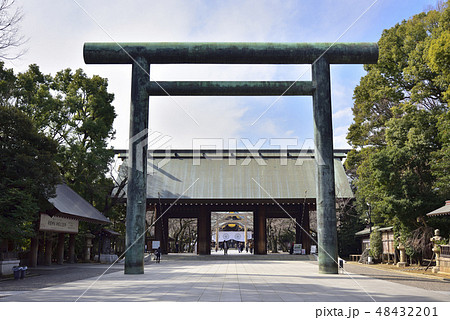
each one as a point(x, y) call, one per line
point(388, 242)
point(313, 249)
point(58, 224)
point(297, 248)
point(156, 244)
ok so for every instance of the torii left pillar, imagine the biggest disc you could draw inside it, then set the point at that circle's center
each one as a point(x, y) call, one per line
point(137, 168)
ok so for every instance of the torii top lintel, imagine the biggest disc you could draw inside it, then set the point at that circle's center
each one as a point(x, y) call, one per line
point(230, 53)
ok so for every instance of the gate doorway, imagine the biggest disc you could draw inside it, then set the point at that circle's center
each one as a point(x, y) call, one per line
point(232, 232)
point(182, 235)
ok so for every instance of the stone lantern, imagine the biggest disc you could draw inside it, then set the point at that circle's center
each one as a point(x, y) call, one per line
point(436, 249)
point(402, 249)
point(87, 247)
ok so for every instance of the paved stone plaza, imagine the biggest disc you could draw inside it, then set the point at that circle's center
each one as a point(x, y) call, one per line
point(227, 280)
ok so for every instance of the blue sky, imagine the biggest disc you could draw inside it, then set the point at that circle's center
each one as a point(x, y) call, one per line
point(57, 30)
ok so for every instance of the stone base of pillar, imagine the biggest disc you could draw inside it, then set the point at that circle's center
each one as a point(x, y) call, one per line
point(435, 269)
point(401, 264)
point(87, 255)
point(6, 267)
point(106, 258)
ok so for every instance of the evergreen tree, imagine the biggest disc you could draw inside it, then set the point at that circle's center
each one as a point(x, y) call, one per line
point(76, 111)
point(28, 174)
point(400, 156)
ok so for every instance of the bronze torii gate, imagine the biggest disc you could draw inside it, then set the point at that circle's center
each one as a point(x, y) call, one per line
point(141, 55)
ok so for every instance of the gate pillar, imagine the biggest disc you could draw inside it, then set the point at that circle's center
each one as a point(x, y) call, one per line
point(259, 221)
point(306, 237)
point(204, 232)
point(162, 231)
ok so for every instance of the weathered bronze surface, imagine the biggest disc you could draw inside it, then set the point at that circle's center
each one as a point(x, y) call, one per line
point(323, 141)
point(230, 53)
point(230, 88)
point(137, 169)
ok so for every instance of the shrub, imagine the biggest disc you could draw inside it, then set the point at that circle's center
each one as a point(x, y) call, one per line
point(376, 244)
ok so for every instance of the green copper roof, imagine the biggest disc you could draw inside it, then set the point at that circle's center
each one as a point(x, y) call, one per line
point(183, 176)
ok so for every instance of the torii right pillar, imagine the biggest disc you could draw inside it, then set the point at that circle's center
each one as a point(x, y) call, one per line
point(325, 188)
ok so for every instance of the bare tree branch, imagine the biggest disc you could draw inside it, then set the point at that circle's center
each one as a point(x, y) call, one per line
point(10, 37)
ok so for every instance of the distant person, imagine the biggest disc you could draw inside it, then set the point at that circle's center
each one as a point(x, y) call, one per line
point(158, 255)
point(177, 247)
point(225, 248)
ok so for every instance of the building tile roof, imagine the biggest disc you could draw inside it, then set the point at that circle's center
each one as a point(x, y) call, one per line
point(70, 204)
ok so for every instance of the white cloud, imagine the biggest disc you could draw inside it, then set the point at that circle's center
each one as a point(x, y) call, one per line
point(339, 138)
point(346, 113)
point(216, 118)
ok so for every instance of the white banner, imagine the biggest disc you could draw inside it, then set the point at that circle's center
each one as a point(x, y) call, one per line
point(232, 235)
point(58, 224)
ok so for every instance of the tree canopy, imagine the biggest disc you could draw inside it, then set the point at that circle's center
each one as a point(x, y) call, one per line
point(73, 116)
point(400, 133)
point(76, 111)
point(28, 173)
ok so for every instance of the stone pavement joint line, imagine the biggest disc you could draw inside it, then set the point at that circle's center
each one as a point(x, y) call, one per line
point(231, 281)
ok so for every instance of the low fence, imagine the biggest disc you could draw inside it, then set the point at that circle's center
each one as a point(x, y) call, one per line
point(444, 260)
point(445, 251)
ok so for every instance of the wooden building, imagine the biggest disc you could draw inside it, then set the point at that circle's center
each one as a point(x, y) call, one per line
point(267, 183)
point(387, 238)
point(69, 208)
point(55, 225)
